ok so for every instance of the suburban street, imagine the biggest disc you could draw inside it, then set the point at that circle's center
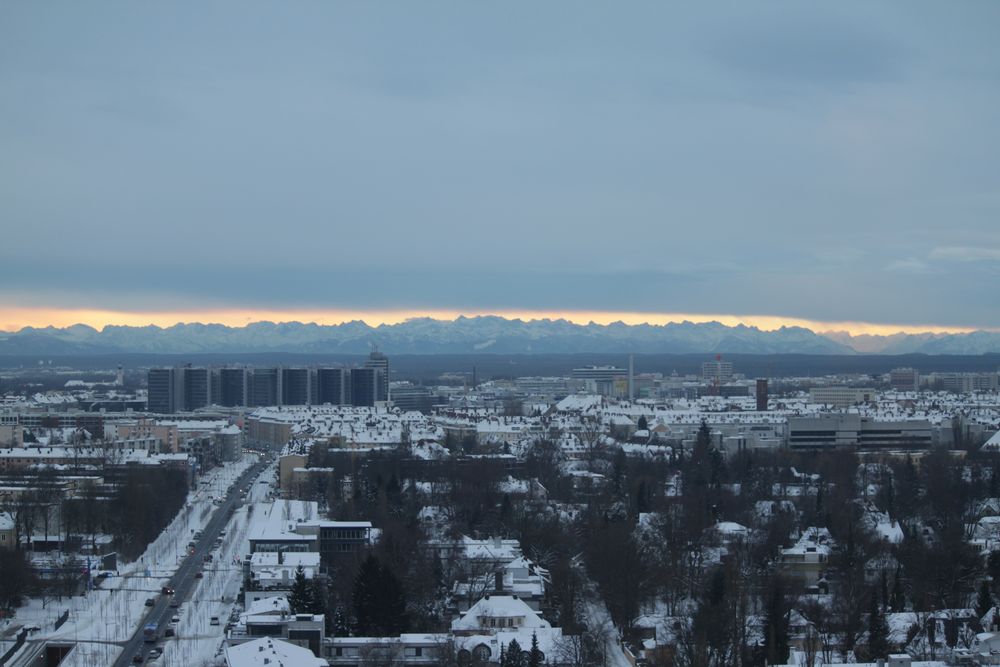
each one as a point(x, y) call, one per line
point(183, 581)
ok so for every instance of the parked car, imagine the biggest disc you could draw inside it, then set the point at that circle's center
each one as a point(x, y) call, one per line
point(138, 658)
point(198, 575)
point(150, 602)
point(214, 620)
point(169, 632)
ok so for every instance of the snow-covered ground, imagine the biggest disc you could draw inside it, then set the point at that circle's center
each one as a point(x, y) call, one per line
point(112, 612)
point(198, 642)
point(598, 621)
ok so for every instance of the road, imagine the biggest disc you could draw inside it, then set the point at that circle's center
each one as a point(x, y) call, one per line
point(183, 581)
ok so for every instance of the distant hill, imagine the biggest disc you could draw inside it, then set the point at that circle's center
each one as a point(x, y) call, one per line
point(476, 335)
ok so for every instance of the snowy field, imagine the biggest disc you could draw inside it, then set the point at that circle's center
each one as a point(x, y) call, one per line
point(112, 613)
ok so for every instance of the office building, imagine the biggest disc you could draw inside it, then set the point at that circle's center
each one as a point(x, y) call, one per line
point(295, 386)
point(762, 395)
point(379, 362)
point(333, 386)
point(851, 431)
point(904, 379)
point(180, 389)
point(717, 371)
point(232, 387)
point(263, 387)
point(365, 384)
point(162, 392)
point(197, 388)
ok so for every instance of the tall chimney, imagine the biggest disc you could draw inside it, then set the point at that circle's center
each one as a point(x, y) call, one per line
point(631, 377)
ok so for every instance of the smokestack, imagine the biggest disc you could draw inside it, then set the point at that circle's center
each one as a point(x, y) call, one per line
point(631, 377)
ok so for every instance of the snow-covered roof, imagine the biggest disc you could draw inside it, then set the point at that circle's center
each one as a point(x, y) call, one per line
point(272, 652)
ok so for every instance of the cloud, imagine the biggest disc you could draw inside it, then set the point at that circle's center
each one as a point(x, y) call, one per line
point(966, 254)
point(908, 265)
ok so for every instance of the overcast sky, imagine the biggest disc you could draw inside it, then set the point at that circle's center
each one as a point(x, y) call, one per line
point(832, 161)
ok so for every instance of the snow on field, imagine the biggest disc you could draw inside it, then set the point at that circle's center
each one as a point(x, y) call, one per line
point(112, 612)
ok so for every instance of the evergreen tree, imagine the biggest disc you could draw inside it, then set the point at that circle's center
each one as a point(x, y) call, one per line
point(300, 598)
point(776, 622)
point(514, 654)
point(317, 597)
point(643, 425)
point(379, 601)
point(341, 625)
point(534, 655)
point(984, 602)
point(878, 631)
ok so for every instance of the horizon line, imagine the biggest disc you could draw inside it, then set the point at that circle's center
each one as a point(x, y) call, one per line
point(13, 320)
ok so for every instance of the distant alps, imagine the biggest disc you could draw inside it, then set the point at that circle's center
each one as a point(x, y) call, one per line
point(484, 334)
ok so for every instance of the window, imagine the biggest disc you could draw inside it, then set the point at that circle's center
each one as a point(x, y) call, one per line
point(482, 653)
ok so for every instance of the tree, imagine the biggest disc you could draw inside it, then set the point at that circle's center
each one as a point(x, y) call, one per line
point(16, 578)
point(984, 602)
point(878, 630)
point(379, 602)
point(534, 655)
point(776, 622)
point(513, 656)
point(300, 598)
point(643, 425)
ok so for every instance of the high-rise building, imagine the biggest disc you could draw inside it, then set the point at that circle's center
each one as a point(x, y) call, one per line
point(380, 362)
point(197, 388)
point(717, 371)
point(365, 383)
point(333, 386)
point(232, 387)
point(904, 379)
point(263, 387)
point(162, 391)
point(295, 386)
point(179, 389)
point(762, 395)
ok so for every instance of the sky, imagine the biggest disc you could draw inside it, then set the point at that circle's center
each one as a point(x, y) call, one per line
point(826, 163)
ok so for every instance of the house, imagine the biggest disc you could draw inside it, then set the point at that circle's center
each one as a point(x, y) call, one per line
point(271, 652)
point(271, 617)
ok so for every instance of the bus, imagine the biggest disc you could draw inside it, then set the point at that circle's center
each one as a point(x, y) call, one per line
point(149, 632)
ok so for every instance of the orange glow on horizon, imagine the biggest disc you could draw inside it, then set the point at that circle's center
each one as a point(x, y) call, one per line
point(15, 318)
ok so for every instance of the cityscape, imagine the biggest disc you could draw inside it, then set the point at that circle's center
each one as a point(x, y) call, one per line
point(442, 334)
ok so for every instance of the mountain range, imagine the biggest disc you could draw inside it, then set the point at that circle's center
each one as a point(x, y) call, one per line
point(484, 334)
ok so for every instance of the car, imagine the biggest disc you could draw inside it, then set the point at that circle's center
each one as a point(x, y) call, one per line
point(199, 575)
point(155, 652)
point(150, 602)
point(138, 658)
point(169, 632)
point(167, 590)
point(214, 620)
point(175, 619)
point(174, 604)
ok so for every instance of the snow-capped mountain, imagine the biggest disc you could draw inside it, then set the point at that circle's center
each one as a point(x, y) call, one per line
point(487, 334)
